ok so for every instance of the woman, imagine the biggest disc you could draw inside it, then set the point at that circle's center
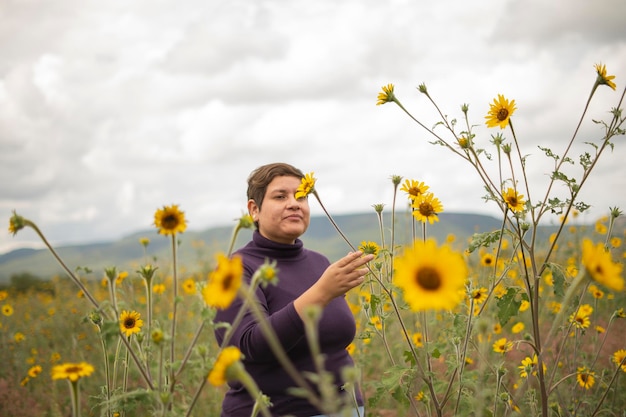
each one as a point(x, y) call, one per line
point(305, 278)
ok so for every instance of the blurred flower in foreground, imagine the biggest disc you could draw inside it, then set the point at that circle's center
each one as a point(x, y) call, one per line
point(500, 112)
point(426, 207)
point(386, 96)
point(431, 277)
point(600, 267)
point(228, 357)
point(170, 220)
point(513, 200)
point(224, 282)
point(72, 371)
point(603, 78)
point(307, 186)
point(130, 322)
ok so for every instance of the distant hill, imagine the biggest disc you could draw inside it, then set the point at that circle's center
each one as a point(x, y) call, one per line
point(196, 248)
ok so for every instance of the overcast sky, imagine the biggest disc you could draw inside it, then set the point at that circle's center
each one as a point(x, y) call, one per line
point(112, 109)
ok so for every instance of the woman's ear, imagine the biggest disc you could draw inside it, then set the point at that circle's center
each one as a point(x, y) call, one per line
point(253, 210)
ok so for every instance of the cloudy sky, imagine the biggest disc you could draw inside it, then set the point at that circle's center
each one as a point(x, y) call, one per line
point(112, 109)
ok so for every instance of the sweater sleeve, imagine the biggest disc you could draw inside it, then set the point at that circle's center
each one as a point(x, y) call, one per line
point(249, 336)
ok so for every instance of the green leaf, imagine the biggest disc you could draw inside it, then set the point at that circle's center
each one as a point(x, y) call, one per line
point(508, 306)
point(558, 279)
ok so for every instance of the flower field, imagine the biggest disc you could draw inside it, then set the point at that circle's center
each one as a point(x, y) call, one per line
point(503, 324)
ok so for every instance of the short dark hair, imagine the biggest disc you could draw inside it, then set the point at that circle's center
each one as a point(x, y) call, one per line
point(260, 178)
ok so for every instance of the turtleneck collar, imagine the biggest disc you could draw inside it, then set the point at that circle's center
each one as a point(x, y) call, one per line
point(277, 250)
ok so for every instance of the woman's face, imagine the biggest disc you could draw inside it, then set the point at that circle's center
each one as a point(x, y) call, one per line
point(281, 217)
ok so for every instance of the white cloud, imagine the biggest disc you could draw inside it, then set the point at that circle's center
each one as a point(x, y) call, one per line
point(109, 110)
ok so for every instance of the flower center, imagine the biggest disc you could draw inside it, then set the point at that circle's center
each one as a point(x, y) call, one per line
point(502, 114)
point(426, 209)
point(428, 278)
point(227, 281)
point(170, 222)
point(129, 323)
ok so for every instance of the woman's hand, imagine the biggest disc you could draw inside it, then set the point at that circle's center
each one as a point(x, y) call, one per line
point(339, 278)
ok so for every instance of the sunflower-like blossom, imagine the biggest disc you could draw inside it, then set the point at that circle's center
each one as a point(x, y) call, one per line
point(130, 322)
point(585, 377)
point(414, 188)
point(502, 345)
point(369, 248)
point(500, 112)
point(431, 277)
point(72, 371)
point(603, 78)
point(386, 95)
point(224, 364)
point(170, 220)
point(426, 207)
point(306, 187)
point(513, 200)
point(600, 267)
point(224, 282)
point(619, 359)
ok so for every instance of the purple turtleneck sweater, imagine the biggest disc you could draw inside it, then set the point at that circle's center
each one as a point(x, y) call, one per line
point(298, 269)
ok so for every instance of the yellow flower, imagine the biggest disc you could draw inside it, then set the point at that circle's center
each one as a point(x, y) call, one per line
point(596, 292)
point(502, 345)
point(414, 188)
point(603, 78)
point(426, 206)
point(170, 220)
point(369, 248)
point(16, 223)
point(479, 295)
point(72, 371)
point(579, 319)
point(619, 358)
point(268, 273)
point(616, 242)
point(7, 310)
point(525, 305)
point(514, 200)
point(144, 241)
point(500, 112)
point(529, 366)
point(585, 377)
point(189, 286)
point(419, 396)
point(386, 96)
point(130, 322)
point(4, 294)
point(121, 277)
point(307, 186)
point(19, 337)
point(224, 282)
point(219, 373)
point(487, 259)
point(526, 367)
point(34, 371)
point(600, 267)
point(417, 339)
point(158, 288)
point(431, 277)
point(517, 327)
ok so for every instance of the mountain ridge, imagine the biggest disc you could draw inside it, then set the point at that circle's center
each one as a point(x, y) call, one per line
point(127, 253)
